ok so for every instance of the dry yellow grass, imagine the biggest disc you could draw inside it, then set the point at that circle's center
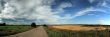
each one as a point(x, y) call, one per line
point(77, 27)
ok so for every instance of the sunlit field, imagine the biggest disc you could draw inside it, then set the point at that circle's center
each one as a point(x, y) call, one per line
point(78, 27)
point(78, 30)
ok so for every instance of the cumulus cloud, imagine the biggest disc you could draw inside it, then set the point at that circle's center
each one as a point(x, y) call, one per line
point(38, 10)
point(29, 9)
point(7, 12)
point(1, 5)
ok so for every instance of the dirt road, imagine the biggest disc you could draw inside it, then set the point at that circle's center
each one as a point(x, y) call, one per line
point(37, 32)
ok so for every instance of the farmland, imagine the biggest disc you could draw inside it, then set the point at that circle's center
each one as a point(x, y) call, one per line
point(60, 30)
point(77, 31)
point(78, 27)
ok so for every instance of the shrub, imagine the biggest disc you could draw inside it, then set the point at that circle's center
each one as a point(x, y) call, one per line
point(45, 25)
point(33, 25)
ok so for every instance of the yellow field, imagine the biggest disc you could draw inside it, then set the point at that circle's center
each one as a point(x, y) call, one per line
point(77, 27)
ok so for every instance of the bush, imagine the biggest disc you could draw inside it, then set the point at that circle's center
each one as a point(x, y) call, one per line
point(33, 25)
point(45, 25)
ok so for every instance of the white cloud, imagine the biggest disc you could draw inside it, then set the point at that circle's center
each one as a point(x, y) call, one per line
point(40, 10)
point(33, 9)
point(83, 12)
point(29, 9)
point(7, 12)
point(104, 4)
point(86, 11)
point(91, 1)
point(64, 5)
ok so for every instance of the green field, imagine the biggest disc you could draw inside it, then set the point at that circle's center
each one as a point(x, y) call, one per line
point(71, 33)
point(13, 29)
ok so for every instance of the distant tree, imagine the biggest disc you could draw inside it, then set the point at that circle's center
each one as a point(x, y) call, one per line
point(45, 25)
point(33, 24)
point(2, 24)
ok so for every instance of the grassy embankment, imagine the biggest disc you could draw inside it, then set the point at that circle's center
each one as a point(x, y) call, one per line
point(13, 29)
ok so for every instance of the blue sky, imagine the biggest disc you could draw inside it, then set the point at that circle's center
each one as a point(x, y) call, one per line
point(55, 11)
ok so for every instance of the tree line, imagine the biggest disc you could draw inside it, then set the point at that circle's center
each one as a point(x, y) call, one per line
point(32, 24)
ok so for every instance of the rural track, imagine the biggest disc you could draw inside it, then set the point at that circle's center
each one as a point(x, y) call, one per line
point(37, 32)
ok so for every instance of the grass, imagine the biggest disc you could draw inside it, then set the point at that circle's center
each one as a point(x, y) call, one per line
point(53, 33)
point(13, 29)
point(73, 33)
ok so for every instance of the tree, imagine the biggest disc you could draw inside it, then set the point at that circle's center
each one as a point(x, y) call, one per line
point(2, 24)
point(45, 25)
point(33, 24)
